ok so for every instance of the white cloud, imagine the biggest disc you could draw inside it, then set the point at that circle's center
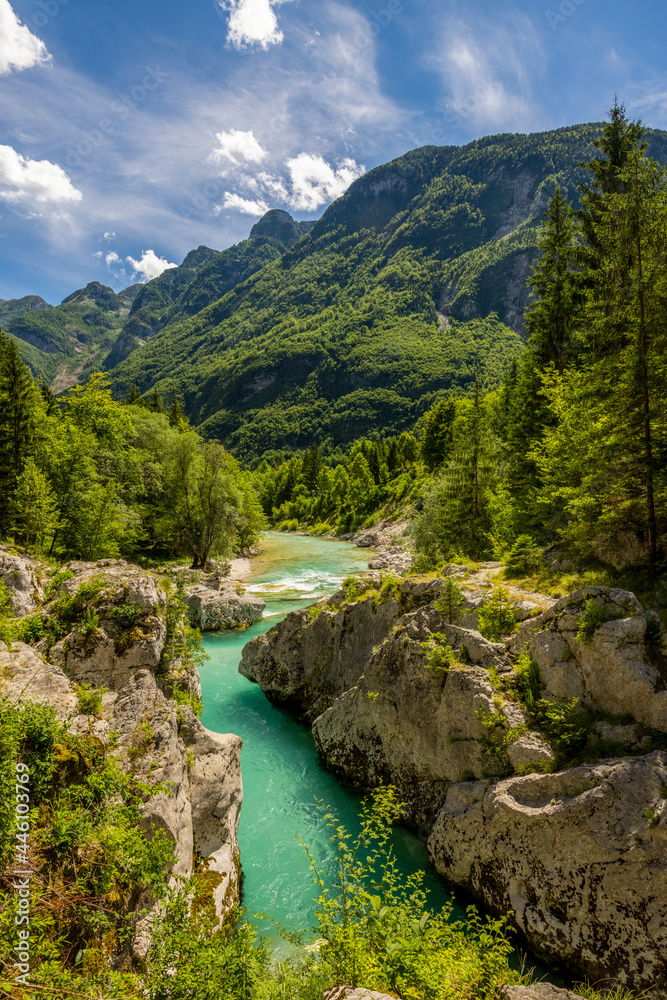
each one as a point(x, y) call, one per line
point(489, 70)
point(252, 22)
point(315, 182)
point(19, 48)
point(272, 185)
point(234, 147)
point(238, 204)
point(150, 265)
point(98, 255)
point(108, 237)
point(37, 181)
point(112, 258)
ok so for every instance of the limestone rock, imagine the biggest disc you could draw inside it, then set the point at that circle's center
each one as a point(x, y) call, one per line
point(349, 993)
point(529, 750)
point(25, 674)
point(20, 578)
point(579, 856)
point(536, 991)
point(215, 610)
point(409, 725)
point(612, 672)
point(307, 664)
point(195, 774)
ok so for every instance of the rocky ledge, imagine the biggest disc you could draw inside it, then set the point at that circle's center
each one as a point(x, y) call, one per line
point(216, 604)
point(125, 641)
point(536, 766)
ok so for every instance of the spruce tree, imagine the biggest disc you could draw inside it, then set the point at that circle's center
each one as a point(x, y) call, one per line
point(552, 316)
point(19, 409)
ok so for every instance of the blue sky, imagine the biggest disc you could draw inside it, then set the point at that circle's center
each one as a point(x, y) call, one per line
point(132, 132)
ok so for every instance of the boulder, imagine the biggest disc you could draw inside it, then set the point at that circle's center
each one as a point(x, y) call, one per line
point(215, 610)
point(307, 662)
point(411, 725)
point(580, 857)
point(19, 576)
point(611, 671)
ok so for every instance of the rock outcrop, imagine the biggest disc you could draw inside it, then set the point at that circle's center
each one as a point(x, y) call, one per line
point(216, 605)
point(126, 649)
point(413, 726)
point(578, 854)
point(19, 576)
point(612, 669)
point(307, 663)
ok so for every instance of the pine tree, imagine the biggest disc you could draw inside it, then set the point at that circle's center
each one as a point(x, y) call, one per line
point(134, 397)
point(603, 462)
point(552, 316)
point(177, 417)
point(436, 443)
point(154, 401)
point(20, 403)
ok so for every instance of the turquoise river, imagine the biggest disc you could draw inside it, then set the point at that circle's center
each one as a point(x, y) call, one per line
point(283, 778)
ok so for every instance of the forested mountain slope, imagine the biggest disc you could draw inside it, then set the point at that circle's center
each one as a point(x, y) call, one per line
point(95, 329)
point(387, 301)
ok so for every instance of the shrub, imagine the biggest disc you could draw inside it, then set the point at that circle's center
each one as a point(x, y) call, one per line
point(496, 617)
point(528, 683)
point(53, 586)
point(594, 615)
point(450, 604)
point(89, 699)
point(437, 654)
point(524, 556)
point(125, 615)
point(353, 588)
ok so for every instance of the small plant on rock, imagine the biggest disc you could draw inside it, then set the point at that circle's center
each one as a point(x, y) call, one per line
point(496, 617)
point(450, 603)
point(89, 699)
point(594, 615)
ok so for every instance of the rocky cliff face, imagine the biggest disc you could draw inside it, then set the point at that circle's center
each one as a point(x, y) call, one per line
point(578, 853)
point(128, 650)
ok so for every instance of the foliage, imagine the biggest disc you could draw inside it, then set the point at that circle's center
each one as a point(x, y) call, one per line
point(89, 853)
point(437, 654)
point(523, 557)
point(496, 617)
point(89, 699)
point(450, 603)
point(594, 615)
point(528, 682)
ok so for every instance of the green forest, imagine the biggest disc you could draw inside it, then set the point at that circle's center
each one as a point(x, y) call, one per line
point(570, 445)
point(489, 446)
point(560, 441)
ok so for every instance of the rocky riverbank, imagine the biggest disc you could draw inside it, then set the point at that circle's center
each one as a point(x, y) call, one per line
point(536, 766)
point(116, 628)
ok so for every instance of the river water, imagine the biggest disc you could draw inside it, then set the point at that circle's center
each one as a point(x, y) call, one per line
point(283, 778)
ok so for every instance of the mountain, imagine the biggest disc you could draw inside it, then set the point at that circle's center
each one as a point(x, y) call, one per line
point(411, 285)
point(96, 329)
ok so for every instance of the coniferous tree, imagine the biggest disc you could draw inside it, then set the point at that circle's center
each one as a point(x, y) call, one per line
point(603, 462)
point(552, 316)
point(436, 443)
point(20, 403)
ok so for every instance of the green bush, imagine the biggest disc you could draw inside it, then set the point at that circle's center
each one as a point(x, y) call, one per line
point(437, 654)
point(496, 616)
point(528, 683)
point(524, 556)
point(89, 699)
point(594, 615)
point(53, 586)
point(450, 604)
